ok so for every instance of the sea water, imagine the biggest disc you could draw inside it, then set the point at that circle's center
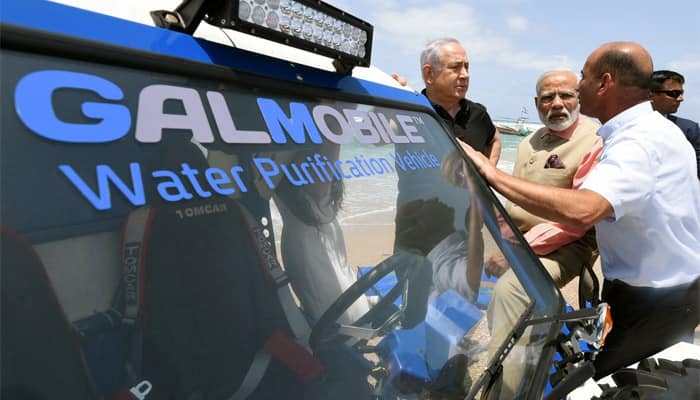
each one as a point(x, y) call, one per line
point(372, 201)
point(377, 195)
point(509, 149)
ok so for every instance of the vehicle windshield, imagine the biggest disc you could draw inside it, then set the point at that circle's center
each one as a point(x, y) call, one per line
point(164, 218)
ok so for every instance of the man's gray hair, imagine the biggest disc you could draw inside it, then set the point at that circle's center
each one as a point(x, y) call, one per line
point(431, 52)
point(551, 72)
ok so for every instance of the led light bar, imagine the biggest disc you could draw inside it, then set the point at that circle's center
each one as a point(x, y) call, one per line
point(311, 25)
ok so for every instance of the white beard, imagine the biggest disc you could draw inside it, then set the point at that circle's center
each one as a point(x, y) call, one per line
point(561, 125)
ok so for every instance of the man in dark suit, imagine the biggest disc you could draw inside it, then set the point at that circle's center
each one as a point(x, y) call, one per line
point(666, 95)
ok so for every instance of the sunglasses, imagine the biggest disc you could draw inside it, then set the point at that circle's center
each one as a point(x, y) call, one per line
point(670, 93)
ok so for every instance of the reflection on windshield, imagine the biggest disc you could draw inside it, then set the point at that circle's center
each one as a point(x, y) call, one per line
point(339, 251)
point(312, 243)
point(428, 227)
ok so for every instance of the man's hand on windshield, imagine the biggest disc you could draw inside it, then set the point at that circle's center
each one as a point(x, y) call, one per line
point(482, 163)
point(496, 265)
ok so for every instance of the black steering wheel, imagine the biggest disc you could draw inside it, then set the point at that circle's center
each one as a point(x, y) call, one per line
point(405, 265)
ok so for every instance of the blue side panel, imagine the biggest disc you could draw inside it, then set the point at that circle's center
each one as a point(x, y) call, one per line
point(418, 354)
point(485, 290)
point(448, 319)
point(403, 351)
point(381, 288)
point(60, 19)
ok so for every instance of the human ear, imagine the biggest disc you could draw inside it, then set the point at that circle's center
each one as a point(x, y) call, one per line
point(606, 81)
point(427, 71)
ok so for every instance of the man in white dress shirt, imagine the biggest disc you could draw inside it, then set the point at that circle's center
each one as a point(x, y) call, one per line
point(642, 198)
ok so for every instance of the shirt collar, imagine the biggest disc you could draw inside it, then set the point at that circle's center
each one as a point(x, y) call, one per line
point(463, 105)
point(567, 133)
point(624, 118)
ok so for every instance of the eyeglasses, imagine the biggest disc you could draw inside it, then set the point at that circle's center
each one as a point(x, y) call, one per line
point(671, 93)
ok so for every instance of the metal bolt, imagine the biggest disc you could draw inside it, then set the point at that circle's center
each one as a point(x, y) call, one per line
point(171, 18)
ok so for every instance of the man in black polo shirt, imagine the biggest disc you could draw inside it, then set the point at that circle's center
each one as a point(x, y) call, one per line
point(445, 70)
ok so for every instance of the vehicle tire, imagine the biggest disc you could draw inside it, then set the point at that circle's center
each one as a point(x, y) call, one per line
point(662, 380)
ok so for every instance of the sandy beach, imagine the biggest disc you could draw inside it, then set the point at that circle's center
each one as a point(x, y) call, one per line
point(369, 244)
point(370, 239)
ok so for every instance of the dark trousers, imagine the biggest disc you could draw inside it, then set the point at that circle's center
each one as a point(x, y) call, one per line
point(645, 321)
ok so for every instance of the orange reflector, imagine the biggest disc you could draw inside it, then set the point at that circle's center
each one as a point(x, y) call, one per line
point(605, 325)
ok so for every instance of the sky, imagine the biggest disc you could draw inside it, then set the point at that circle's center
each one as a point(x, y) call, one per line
point(509, 42)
